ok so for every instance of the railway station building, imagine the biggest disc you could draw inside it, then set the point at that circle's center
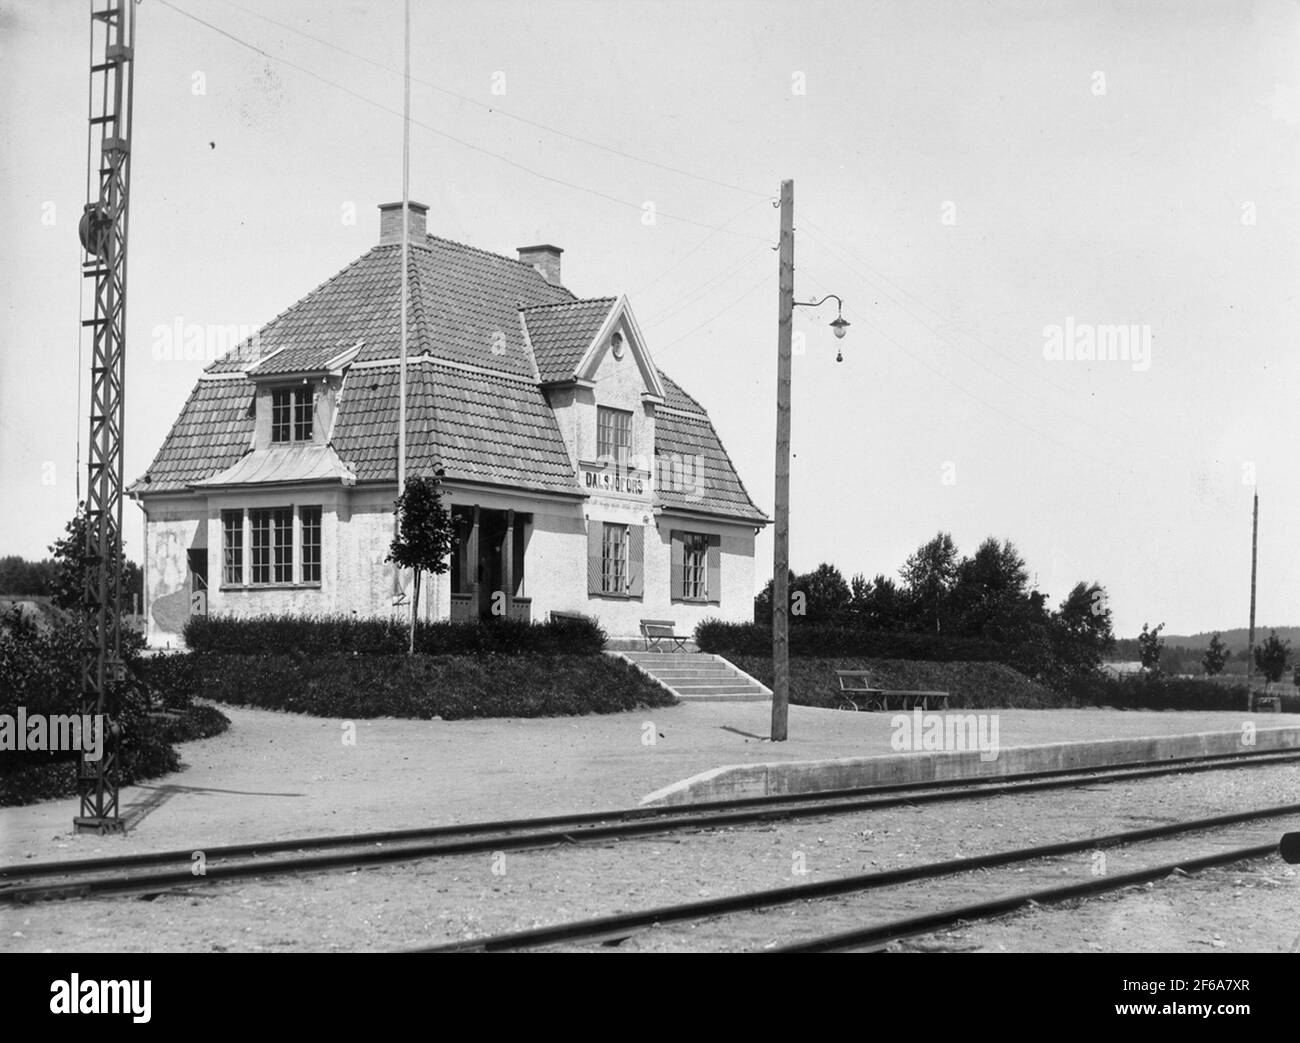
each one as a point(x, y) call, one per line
point(580, 477)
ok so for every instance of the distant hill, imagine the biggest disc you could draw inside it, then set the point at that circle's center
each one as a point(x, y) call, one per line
point(1235, 639)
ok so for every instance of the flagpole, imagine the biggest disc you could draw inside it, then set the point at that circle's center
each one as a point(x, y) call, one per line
point(406, 255)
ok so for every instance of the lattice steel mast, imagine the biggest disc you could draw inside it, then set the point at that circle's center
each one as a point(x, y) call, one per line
point(103, 231)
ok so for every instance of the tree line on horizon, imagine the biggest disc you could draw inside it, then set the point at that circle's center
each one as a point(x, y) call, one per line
point(986, 596)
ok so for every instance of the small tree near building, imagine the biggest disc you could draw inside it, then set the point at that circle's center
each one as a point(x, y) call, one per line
point(1216, 655)
point(1272, 657)
point(424, 535)
point(1150, 646)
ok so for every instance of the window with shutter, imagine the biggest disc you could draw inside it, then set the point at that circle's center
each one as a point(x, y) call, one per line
point(635, 561)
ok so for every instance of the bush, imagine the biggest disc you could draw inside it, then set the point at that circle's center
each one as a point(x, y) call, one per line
point(828, 640)
point(969, 685)
point(424, 687)
point(40, 671)
point(1159, 692)
point(332, 635)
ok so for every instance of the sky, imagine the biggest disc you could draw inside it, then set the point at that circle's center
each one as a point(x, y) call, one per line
point(985, 185)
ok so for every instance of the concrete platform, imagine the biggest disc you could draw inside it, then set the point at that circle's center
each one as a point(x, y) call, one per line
point(761, 780)
point(278, 775)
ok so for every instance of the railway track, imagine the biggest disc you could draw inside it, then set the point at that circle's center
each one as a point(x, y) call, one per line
point(190, 867)
point(619, 927)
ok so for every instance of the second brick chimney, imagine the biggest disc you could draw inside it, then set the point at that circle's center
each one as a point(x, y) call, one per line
point(390, 221)
point(545, 258)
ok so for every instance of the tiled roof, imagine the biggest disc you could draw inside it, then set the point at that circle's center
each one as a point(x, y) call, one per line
point(476, 405)
point(693, 471)
point(213, 431)
point(481, 427)
point(561, 333)
point(280, 464)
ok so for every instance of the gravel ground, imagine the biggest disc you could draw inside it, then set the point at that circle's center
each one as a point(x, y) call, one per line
point(434, 901)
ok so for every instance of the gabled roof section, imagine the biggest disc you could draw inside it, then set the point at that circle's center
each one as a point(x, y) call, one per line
point(282, 465)
point(694, 472)
point(561, 334)
point(213, 431)
point(483, 427)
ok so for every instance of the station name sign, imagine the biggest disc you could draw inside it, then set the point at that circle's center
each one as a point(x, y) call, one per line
point(611, 476)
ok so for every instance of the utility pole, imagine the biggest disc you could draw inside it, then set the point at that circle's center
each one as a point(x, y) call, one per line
point(781, 530)
point(1250, 640)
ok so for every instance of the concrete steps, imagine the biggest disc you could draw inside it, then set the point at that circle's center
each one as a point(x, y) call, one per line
point(698, 676)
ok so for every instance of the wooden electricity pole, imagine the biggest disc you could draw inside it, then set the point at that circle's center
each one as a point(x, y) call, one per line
point(781, 530)
point(1254, 557)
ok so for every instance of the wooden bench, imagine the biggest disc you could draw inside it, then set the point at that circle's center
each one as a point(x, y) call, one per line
point(656, 631)
point(856, 685)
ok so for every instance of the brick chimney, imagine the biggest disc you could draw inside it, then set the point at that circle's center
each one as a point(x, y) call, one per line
point(545, 258)
point(390, 221)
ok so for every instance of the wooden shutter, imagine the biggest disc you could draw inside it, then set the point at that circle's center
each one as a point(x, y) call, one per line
point(676, 563)
point(595, 530)
point(635, 560)
point(715, 570)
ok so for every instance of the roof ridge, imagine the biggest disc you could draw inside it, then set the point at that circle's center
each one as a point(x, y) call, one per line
point(267, 325)
point(429, 236)
point(569, 304)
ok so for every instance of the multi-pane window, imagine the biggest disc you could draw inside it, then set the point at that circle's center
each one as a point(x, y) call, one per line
point(613, 433)
point(272, 536)
point(613, 559)
point(282, 539)
point(260, 525)
point(310, 517)
point(291, 410)
point(695, 570)
point(232, 544)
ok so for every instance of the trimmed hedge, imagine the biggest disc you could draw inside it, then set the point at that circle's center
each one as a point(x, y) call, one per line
point(829, 640)
point(1160, 692)
point(424, 687)
point(969, 685)
point(333, 635)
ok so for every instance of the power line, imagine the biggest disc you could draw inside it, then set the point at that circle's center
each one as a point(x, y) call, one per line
point(495, 110)
point(1118, 437)
point(450, 137)
point(714, 317)
point(705, 288)
point(675, 264)
point(829, 241)
point(1110, 464)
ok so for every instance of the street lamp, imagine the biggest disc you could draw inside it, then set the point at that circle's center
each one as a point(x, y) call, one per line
point(781, 528)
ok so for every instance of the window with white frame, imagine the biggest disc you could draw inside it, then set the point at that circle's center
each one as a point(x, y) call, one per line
point(695, 566)
point(613, 433)
point(283, 546)
point(291, 410)
point(613, 559)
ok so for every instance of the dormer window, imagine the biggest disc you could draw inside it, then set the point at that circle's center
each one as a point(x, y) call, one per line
point(291, 410)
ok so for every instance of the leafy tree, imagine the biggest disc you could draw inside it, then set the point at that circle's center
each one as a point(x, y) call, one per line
point(425, 535)
point(67, 577)
point(1216, 655)
point(21, 577)
point(1082, 630)
point(820, 596)
point(1150, 647)
point(989, 588)
point(928, 576)
point(1272, 657)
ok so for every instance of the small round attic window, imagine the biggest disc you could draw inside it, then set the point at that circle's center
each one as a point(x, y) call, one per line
point(616, 345)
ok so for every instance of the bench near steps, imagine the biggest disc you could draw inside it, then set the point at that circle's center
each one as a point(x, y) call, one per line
point(856, 687)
